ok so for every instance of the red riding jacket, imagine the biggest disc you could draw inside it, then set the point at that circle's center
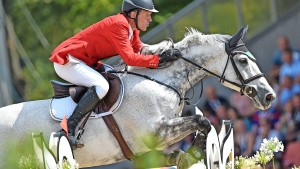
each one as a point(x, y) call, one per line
point(104, 39)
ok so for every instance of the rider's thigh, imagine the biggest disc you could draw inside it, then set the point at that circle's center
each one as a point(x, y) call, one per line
point(77, 72)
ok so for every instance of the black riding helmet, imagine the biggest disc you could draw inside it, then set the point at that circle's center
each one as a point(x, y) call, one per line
point(130, 5)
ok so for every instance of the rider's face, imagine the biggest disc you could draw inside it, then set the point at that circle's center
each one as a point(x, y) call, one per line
point(144, 19)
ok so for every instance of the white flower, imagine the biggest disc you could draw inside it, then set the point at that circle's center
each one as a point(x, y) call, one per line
point(68, 164)
point(249, 162)
point(273, 145)
point(239, 161)
point(263, 157)
point(296, 167)
point(266, 154)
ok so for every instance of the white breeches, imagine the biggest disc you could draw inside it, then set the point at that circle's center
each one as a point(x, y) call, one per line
point(77, 72)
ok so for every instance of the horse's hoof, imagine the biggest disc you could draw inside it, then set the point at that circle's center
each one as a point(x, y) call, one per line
point(186, 161)
point(205, 125)
point(174, 156)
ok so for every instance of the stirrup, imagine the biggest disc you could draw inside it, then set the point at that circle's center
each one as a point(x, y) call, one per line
point(75, 143)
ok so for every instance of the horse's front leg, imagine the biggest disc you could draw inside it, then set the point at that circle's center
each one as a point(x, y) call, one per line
point(173, 130)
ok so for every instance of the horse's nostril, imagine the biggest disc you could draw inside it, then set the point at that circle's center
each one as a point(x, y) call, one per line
point(269, 97)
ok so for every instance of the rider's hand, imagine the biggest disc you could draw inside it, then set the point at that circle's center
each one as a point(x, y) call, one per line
point(169, 55)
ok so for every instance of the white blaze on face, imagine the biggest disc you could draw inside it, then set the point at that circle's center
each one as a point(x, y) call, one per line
point(263, 89)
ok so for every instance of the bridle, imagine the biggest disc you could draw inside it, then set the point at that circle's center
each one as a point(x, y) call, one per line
point(244, 87)
point(231, 52)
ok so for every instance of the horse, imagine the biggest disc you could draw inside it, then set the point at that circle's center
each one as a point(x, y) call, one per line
point(149, 107)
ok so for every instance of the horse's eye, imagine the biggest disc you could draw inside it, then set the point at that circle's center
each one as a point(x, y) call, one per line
point(243, 61)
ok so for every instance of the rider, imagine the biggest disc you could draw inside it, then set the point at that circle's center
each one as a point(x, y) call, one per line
point(76, 59)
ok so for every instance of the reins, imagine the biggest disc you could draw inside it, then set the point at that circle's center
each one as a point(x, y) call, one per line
point(231, 52)
point(152, 79)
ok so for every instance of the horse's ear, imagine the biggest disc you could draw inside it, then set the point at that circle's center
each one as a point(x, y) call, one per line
point(240, 35)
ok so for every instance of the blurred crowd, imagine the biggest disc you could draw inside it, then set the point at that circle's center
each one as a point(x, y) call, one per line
point(251, 125)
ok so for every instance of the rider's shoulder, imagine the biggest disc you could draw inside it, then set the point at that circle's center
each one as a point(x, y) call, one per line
point(116, 20)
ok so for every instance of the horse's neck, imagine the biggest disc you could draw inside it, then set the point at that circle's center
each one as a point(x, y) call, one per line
point(181, 75)
point(209, 57)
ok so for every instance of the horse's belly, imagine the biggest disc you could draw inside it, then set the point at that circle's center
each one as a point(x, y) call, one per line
point(101, 148)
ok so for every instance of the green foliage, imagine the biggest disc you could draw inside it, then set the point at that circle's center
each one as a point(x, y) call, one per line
point(166, 10)
point(255, 14)
point(284, 5)
point(28, 162)
point(19, 155)
point(153, 158)
point(221, 16)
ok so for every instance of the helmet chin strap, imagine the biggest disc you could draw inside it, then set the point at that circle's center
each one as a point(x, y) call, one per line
point(135, 19)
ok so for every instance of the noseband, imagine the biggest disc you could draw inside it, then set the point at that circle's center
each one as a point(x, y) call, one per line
point(231, 52)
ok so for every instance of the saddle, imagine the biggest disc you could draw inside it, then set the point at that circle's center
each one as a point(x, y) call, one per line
point(62, 90)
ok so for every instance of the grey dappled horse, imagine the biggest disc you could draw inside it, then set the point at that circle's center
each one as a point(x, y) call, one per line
point(149, 107)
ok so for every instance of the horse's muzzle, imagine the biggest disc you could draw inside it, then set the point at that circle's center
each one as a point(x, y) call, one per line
point(269, 97)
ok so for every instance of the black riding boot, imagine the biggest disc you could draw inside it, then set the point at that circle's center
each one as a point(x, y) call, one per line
point(86, 104)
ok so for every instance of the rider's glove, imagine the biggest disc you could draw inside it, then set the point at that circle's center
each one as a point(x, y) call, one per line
point(169, 55)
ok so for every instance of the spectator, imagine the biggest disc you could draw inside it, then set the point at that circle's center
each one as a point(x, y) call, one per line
point(287, 68)
point(265, 130)
point(296, 85)
point(296, 107)
point(243, 104)
point(213, 119)
point(272, 114)
point(285, 90)
point(273, 76)
point(243, 139)
point(283, 44)
point(213, 101)
point(221, 114)
point(273, 79)
point(233, 114)
point(286, 123)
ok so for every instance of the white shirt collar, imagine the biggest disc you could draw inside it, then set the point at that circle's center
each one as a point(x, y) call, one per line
point(130, 32)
